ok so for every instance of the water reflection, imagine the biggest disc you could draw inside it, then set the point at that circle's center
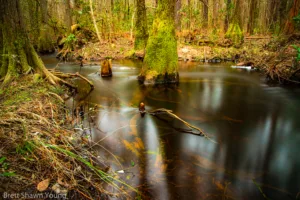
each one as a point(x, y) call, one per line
point(256, 128)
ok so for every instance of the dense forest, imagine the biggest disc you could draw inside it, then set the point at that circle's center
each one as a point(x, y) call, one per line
point(47, 114)
point(94, 30)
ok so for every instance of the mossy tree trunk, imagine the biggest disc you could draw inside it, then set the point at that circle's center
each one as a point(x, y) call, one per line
point(234, 32)
point(141, 30)
point(161, 59)
point(18, 54)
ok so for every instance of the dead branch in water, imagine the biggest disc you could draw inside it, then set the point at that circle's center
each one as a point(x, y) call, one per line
point(170, 112)
point(68, 75)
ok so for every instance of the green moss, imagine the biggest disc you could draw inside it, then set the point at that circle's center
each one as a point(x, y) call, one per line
point(130, 53)
point(20, 97)
point(46, 43)
point(161, 52)
point(161, 59)
point(235, 34)
point(37, 78)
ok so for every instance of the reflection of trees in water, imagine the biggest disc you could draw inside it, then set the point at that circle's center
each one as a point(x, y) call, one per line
point(244, 121)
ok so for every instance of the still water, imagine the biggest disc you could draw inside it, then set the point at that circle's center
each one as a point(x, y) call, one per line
point(256, 128)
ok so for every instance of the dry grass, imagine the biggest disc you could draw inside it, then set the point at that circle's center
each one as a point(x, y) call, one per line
point(38, 142)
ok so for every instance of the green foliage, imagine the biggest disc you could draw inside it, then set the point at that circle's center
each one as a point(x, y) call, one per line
point(297, 19)
point(69, 41)
point(57, 90)
point(71, 38)
point(298, 52)
point(8, 174)
point(27, 147)
point(132, 163)
point(2, 159)
point(4, 167)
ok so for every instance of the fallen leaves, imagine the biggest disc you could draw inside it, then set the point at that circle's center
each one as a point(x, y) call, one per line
point(43, 185)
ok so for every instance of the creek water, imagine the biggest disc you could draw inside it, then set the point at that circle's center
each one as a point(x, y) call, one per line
point(255, 126)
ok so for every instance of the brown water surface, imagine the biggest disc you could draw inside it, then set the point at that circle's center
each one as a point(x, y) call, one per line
point(256, 128)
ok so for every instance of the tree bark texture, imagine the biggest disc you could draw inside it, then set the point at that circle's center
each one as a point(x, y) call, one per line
point(161, 59)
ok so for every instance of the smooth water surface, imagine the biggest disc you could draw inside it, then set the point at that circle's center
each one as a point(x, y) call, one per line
point(256, 128)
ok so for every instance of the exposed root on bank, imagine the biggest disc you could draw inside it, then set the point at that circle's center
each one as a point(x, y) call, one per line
point(38, 143)
point(68, 75)
point(159, 111)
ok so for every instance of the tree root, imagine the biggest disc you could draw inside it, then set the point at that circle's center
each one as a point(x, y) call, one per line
point(63, 75)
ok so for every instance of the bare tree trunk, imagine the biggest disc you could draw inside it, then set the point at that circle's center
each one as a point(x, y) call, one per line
point(215, 13)
point(205, 13)
point(94, 21)
point(294, 11)
point(68, 15)
point(252, 16)
point(177, 15)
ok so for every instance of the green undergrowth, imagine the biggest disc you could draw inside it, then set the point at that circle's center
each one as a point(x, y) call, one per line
point(26, 89)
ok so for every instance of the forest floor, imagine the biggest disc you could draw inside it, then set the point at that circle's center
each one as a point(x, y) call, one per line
point(274, 56)
point(41, 152)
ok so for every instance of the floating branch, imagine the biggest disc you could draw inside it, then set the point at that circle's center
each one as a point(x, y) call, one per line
point(170, 112)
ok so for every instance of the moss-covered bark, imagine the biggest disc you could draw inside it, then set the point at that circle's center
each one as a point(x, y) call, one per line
point(18, 54)
point(141, 31)
point(235, 34)
point(161, 59)
point(46, 43)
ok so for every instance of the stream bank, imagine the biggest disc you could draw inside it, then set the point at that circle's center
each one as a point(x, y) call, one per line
point(41, 153)
point(273, 56)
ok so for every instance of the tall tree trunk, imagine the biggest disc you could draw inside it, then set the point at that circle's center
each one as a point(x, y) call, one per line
point(189, 15)
point(252, 16)
point(161, 59)
point(273, 9)
point(94, 21)
point(227, 15)
point(141, 31)
point(294, 11)
point(237, 12)
point(20, 55)
point(234, 31)
point(177, 15)
point(68, 15)
point(215, 14)
point(205, 13)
